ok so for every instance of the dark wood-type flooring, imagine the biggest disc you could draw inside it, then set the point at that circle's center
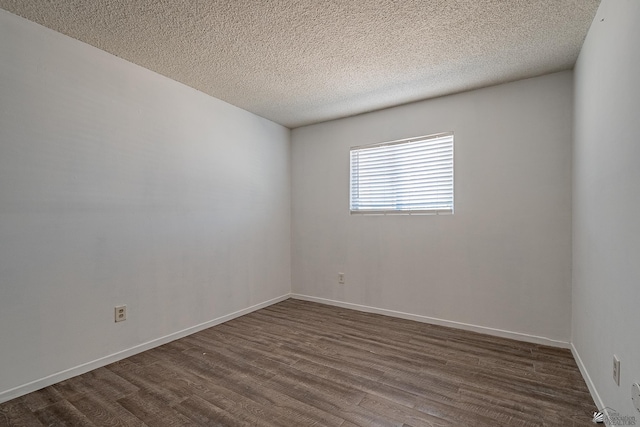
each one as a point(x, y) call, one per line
point(298, 363)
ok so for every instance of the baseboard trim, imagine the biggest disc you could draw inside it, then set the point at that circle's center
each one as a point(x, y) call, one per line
point(103, 361)
point(587, 379)
point(435, 321)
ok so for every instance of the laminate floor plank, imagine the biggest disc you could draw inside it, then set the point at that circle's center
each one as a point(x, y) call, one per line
point(242, 390)
point(105, 412)
point(153, 410)
point(17, 414)
point(204, 413)
point(443, 406)
point(63, 413)
point(41, 398)
point(290, 411)
point(152, 384)
point(304, 364)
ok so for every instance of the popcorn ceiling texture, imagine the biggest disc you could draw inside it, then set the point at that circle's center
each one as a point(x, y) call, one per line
point(306, 61)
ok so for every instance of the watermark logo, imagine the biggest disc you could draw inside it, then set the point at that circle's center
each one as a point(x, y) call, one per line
point(611, 417)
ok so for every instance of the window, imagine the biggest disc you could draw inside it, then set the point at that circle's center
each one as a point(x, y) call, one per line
point(406, 176)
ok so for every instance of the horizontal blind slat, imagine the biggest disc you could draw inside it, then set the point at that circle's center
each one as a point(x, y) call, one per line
point(404, 163)
point(425, 173)
point(400, 157)
point(363, 156)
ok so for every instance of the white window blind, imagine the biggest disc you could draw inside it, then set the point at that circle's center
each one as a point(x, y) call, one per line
point(407, 176)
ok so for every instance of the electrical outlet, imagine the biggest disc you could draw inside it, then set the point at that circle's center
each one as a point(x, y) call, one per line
point(616, 369)
point(341, 278)
point(635, 396)
point(121, 313)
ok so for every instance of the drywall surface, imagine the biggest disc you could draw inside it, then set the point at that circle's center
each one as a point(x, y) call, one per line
point(606, 203)
point(120, 186)
point(502, 261)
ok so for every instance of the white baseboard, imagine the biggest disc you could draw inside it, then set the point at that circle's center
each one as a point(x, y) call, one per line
point(587, 379)
point(435, 321)
point(103, 361)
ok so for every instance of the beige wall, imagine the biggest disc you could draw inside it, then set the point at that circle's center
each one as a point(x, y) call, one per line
point(120, 186)
point(606, 209)
point(500, 264)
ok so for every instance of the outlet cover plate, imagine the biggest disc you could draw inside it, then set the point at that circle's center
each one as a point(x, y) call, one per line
point(616, 369)
point(120, 313)
point(635, 396)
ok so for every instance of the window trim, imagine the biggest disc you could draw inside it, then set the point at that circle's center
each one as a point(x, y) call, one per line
point(397, 211)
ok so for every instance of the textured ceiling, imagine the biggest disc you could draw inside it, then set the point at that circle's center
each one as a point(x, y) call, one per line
point(298, 62)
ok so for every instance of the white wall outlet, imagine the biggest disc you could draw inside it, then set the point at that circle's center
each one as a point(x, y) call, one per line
point(121, 313)
point(616, 369)
point(635, 396)
point(341, 278)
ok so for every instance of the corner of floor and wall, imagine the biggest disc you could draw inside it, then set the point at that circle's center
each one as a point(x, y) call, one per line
point(544, 242)
point(120, 186)
point(606, 205)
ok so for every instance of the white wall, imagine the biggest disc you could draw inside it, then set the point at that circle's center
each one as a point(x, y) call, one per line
point(120, 186)
point(606, 209)
point(502, 261)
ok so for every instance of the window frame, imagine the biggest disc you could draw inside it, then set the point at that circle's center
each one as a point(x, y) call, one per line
point(391, 211)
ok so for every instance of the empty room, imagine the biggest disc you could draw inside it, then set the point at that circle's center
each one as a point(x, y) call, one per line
point(319, 213)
